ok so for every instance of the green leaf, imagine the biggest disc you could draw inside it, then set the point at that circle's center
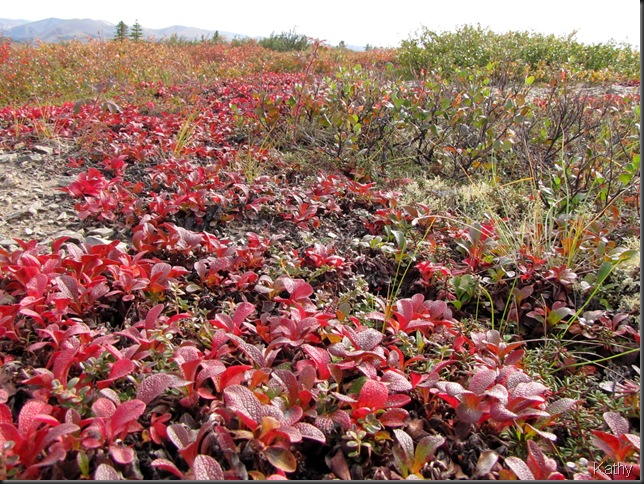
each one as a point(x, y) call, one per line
point(625, 178)
point(558, 314)
point(399, 237)
point(83, 463)
point(529, 80)
point(400, 461)
point(192, 287)
point(604, 271)
point(345, 309)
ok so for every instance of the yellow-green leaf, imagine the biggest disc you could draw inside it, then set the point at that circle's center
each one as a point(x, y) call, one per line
point(281, 458)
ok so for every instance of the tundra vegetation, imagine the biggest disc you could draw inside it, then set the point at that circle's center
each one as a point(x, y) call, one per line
point(420, 262)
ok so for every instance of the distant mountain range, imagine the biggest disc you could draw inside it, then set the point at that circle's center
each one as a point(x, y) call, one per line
point(60, 30)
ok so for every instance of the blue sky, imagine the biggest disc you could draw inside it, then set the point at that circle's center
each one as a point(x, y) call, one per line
point(356, 22)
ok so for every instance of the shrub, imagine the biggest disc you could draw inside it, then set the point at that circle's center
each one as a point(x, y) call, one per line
point(286, 41)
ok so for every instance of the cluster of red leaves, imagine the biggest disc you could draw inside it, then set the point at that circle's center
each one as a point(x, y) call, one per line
point(238, 381)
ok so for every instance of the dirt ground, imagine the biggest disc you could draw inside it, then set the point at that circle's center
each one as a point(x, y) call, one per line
point(31, 206)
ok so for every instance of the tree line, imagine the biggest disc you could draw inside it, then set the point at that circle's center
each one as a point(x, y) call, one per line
point(123, 31)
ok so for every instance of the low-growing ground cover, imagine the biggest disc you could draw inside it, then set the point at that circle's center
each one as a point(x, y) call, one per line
point(324, 273)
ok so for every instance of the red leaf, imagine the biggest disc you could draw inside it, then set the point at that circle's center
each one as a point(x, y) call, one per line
point(287, 379)
point(529, 390)
point(37, 285)
point(368, 339)
point(617, 423)
point(394, 417)
point(27, 421)
point(166, 465)
point(406, 444)
point(397, 400)
point(125, 413)
point(297, 288)
point(9, 432)
point(482, 380)
point(231, 375)
point(68, 286)
point(245, 404)
point(560, 406)
point(179, 436)
point(338, 464)
point(5, 414)
point(207, 469)
point(520, 468)
point(321, 358)
point(103, 408)
point(540, 465)
point(437, 309)
point(121, 368)
point(155, 384)
point(121, 454)
point(396, 381)
point(373, 395)
point(500, 413)
point(63, 362)
point(310, 432)
point(152, 316)
point(56, 454)
point(58, 431)
point(244, 310)
point(607, 442)
point(251, 351)
point(106, 472)
point(468, 414)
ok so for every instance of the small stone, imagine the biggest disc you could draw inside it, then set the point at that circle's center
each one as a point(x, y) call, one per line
point(29, 231)
point(103, 232)
point(64, 181)
point(45, 150)
point(62, 216)
point(7, 181)
point(93, 240)
point(26, 159)
point(73, 236)
point(8, 157)
point(7, 242)
point(34, 207)
point(54, 206)
point(16, 215)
